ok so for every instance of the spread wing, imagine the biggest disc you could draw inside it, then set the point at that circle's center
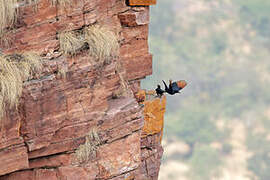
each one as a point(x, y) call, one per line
point(166, 87)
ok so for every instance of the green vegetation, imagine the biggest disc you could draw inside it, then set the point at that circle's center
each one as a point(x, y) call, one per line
point(222, 49)
point(256, 13)
point(203, 161)
point(259, 162)
point(198, 127)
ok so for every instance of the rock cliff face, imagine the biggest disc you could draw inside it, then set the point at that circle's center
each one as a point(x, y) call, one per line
point(58, 114)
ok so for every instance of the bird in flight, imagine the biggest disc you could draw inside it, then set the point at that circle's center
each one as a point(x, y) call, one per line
point(174, 87)
point(159, 91)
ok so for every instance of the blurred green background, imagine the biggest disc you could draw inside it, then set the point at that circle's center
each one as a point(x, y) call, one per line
point(219, 126)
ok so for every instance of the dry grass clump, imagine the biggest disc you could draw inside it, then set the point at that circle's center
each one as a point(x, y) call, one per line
point(29, 2)
point(60, 2)
point(70, 42)
point(62, 72)
point(32, 1)
point(10, 88)
point(35, 2)
point(88, 150)
point(103, 44)
point(8, 14)
point(14, 69)
point(30, 64)
point(123, 90)
point(5, 39)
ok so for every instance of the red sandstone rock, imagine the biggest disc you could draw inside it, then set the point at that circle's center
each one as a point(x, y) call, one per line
point(136, 59)
point(55, 114)
point(9, 134)
point(50, 162)
point(129, 34)
point(133, 18)
point(73, 173)
point(119, 157)
point(13, 159)
point(45, 174)
point(21, 175)
point(143, 68)
point(142, 2)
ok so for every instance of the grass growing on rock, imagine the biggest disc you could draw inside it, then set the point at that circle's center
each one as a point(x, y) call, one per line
point(70, 42)
point(88, 150)
point(14, 70)
point(124, 87)
point(103, 43)
point(8, 14)
point(60, 2)
point(62, 72)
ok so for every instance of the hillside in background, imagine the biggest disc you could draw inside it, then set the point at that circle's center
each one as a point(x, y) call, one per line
point(219, 126)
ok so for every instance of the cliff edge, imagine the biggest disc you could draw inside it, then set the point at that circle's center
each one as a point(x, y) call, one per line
point(78, 118)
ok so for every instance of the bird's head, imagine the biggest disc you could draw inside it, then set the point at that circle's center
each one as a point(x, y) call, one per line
point(158, 86)
point(181, 84)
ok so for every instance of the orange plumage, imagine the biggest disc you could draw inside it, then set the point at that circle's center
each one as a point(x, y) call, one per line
point(181, 84)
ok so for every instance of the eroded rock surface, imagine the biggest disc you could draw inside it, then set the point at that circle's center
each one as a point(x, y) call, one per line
point(40, 139)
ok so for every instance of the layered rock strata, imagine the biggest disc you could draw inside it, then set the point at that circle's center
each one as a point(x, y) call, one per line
point(40, 140)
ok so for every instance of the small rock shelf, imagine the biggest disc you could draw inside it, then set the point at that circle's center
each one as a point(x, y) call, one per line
point(142, 2)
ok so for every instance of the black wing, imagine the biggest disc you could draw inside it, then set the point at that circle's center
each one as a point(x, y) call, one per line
point(166, 87)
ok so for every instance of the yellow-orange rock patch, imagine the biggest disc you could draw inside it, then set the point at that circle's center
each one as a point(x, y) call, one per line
point(154, 109)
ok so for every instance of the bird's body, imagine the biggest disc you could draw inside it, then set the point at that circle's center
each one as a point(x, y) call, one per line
point(159, 91)
point(174, 87)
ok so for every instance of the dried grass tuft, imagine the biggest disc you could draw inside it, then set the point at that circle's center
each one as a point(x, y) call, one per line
point(103, 44)
point(10, 84)
point(88, 150)
point(30, 64)
point(62, 72)
point(35, 2)
point(5, 39)
point(8, 14)
point(32, 1)
point(14, 70)
point(70, 42)
point(63, 3)
point(123, 90)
